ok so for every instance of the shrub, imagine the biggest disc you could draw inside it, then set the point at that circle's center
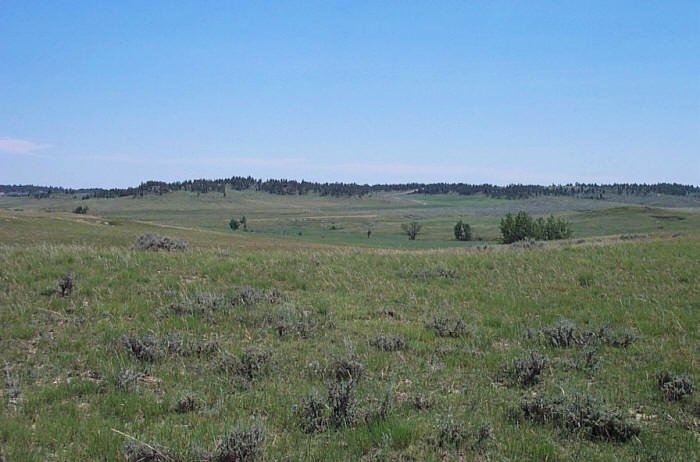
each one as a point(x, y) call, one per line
point(154, 242)
point(312, 414)
point(347, 368)
point(421, 402)
point(253, 363)
point(66, 284)
point(141, 452)
point(411, 229)
point(565, 334)
point(81, 210)
point(388, 342)
point(144, 348)
point(562, 334)
point(243, 443)
point(302, 325)
point(127, 379)
point(674, 387)
point(234, 224)
point(186, 403)
point(450, 434)
point(462, 231)
point(448, 326)
point(342, 402)
point(523, 226)
point(526, 371)
point(580, 413)
point(252, 296)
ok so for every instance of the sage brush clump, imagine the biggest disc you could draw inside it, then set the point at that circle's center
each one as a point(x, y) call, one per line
point(186, 403)
point(242, 444)
point(301, 325)
point(581, 413)
point(526, 371)
point(252, 296)
point(388, 342)
point(347, 368)
point(145, 348)
point(448, 326)
point(141, 452)
point(253, 363)
point(674, 387)
point(449, 433)
point(66, 284)
point(155, 242)
point(312, 413)
point(566, 334)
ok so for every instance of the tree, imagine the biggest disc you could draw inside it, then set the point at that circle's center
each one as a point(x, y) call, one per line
point(411, 229)
point(234, 224)
point(82, 210)
point(523, 226)
point(463, 232)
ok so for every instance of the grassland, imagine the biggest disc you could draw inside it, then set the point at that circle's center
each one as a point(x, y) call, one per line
point(74, 389)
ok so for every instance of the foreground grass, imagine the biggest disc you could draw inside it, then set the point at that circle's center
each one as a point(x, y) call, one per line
point(63, 357)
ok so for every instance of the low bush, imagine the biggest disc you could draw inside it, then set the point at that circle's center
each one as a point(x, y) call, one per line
point(293, 323)
point(675, 387)
point(449, 433)
point(566, 334)
point(66, 284)
point(388, 342)
point(143, 347)
point(526, 371)
point(342, 402)
point(448, 326)
point(252, 296)
point(186, 403)
point(141, 452)
point(253, 363)
point(312, 414)
point(580, 414)
point(347, 367)
point(242, 444)
point(155, 242)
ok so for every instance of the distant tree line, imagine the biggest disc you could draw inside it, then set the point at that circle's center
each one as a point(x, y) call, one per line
point(337, 189)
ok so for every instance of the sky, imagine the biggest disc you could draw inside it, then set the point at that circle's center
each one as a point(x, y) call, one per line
point(109, 94)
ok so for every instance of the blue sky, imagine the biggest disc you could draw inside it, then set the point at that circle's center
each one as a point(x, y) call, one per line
point(113, 93)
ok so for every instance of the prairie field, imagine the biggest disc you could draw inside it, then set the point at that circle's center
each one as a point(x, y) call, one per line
point(303, 339)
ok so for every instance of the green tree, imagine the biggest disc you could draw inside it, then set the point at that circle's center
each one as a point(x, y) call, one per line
point(411, 229)
point(523, 226)
point(462, 231)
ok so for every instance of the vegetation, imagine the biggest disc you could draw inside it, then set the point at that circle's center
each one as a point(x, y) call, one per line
point(294, 187)
point(462, 231)
point(411, 229)
point(80, 210)
point(522, 226)
point(235, 224)
point(244, 347)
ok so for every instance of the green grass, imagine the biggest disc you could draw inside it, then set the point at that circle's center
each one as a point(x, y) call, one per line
point(345, 221)
point(65, 353)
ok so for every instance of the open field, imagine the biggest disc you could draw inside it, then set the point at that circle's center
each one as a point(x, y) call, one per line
point(345, 221)
point(248, 325)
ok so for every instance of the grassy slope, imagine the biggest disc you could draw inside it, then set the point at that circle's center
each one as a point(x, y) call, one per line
point(314, 219)
point(56, 345)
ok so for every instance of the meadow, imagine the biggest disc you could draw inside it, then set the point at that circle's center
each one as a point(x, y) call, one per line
point(303, 339)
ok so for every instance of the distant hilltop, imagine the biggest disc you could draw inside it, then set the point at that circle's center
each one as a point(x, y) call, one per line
point(337, 189)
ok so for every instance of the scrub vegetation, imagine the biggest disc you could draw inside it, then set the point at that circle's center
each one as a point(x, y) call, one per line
point(149, 330)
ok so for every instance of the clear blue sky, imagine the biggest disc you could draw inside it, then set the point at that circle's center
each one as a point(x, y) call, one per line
point(99, 93)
